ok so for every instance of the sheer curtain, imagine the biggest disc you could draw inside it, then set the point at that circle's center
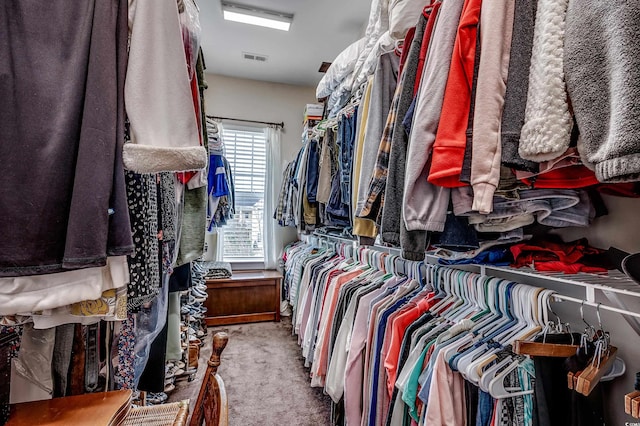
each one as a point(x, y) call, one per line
point(271, 240)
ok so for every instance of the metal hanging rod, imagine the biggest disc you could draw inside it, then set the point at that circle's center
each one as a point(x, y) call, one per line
point(614, 284)
point(269, 123)
point(561, 297)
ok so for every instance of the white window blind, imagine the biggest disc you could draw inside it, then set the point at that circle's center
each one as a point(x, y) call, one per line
point(245, 149)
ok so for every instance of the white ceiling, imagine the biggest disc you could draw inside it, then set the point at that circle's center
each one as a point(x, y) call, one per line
point(321, 29)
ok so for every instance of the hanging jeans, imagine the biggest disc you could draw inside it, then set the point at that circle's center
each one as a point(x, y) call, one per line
point(346, 139)
point(338, 213)
point(149, 322)
point(313, 171)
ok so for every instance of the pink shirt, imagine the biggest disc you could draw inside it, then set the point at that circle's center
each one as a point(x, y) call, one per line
point(354, 372)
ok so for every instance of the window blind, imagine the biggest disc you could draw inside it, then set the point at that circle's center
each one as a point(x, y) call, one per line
point(246, 151)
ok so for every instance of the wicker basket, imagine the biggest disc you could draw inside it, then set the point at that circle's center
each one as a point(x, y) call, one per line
point(172, 414)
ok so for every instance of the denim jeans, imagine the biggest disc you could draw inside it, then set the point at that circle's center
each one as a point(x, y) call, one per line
point(313, 171)
point(346, 139)
point(458, 235)
point(485, 409)
point(338, 213)
point(149, 322)
point(551, 207)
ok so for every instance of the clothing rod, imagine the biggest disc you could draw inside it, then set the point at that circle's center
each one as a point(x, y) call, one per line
point(270, 123)
point(334, 237)
point(561, 297)
point(487, 269)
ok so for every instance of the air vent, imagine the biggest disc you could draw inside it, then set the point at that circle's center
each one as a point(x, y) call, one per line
point(254, 57)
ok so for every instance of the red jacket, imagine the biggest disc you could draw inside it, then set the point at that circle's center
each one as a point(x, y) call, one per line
point(450, 143)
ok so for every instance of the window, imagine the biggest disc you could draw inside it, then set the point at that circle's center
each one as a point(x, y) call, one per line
point(246, 151)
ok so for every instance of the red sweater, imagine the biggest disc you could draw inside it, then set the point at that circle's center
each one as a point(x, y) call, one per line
point(449, 146)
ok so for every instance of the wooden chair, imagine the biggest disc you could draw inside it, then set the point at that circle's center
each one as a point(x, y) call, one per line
point(211, 407)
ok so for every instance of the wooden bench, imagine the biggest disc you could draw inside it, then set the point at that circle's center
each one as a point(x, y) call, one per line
point(247, 296)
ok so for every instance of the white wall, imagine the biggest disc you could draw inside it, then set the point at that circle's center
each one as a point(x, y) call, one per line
point(620, 229)
point(263, 101)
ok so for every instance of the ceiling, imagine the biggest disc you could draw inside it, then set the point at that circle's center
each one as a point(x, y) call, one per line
point(321, 29)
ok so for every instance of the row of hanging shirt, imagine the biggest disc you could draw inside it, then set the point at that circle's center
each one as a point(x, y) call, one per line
point(396, 342)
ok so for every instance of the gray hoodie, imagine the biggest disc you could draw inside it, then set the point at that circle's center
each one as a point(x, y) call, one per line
point(392, 209)
point(602, 66)
point(515, 98)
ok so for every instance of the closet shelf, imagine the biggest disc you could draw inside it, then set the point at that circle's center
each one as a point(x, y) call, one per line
point(615, 281)
point(612, 284)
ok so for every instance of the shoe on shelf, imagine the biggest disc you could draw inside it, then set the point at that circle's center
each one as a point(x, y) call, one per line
point(154, 398)
point(177, 371)
point(198, 292)
point(168, 388)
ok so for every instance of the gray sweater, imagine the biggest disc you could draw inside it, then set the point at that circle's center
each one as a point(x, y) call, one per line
point(602, 67)
point(516, 95)
point(392, 209)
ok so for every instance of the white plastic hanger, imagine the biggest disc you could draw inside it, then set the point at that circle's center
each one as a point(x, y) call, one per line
point(499, 391)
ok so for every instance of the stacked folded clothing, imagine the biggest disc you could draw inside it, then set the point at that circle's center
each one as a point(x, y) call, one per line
point(217, 270)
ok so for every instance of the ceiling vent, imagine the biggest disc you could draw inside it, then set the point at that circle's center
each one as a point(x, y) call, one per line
point(254, 57)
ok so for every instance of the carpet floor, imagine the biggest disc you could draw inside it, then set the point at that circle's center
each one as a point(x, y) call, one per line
point(264, 374)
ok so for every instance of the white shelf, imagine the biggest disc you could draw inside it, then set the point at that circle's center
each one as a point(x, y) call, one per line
point(612, 285)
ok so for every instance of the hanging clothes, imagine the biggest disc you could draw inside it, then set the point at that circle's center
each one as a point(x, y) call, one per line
point(392, 349)
point(73, 100)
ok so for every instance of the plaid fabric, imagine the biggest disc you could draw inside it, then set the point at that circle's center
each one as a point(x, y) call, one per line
point(283, 213)
point(378, 181)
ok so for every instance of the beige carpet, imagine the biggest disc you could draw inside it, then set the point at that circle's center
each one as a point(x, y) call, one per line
point(264, 374)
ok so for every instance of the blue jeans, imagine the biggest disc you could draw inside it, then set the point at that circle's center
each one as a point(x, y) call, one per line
point(552, 207)
point(346, 139)
point(338, 213)
point(313, 171)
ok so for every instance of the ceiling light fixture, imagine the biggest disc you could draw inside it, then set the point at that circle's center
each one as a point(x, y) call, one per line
point(255, 16)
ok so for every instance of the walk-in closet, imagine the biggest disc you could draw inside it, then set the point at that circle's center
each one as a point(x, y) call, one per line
point(320, 213)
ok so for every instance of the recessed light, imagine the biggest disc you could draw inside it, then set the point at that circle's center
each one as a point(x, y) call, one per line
point(254, 16)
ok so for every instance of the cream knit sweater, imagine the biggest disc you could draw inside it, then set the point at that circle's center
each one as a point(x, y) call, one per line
point(547, 128)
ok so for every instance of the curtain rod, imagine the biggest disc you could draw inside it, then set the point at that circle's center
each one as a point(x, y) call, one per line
point(270, 123)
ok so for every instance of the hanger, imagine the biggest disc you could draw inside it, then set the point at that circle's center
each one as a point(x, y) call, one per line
point(525, 347)
point(490, 373)
point(497, 388)
point(588, 336)
point(498, 338)
point(492, 380)
point(603, 359)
